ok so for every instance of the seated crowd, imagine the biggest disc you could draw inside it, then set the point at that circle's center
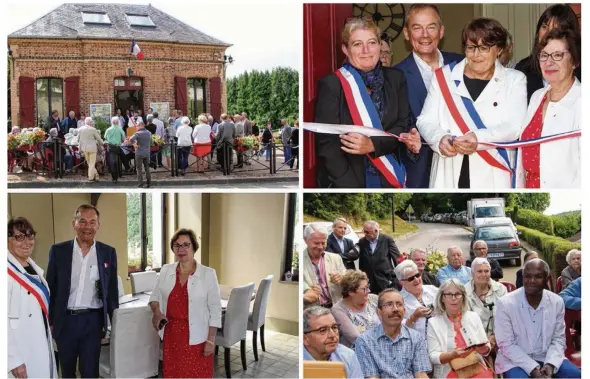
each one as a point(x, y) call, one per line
point(462, 324)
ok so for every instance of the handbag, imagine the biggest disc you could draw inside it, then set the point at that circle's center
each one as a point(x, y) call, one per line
point(468, 366)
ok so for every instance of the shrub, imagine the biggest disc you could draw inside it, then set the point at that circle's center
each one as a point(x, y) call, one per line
point(551, 248)
point(566, 226)
point(535, 220)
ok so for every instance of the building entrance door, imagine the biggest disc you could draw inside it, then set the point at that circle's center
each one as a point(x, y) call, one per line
point(128, 99)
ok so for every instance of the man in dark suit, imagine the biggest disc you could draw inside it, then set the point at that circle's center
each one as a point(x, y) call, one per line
point(82, 279)
point(378, 257)
point(480, 249)
point(342, 246)
point(423, 30)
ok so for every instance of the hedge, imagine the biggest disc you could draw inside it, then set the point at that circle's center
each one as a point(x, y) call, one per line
point(536, 220)
point(552, 249)
point(566, 226)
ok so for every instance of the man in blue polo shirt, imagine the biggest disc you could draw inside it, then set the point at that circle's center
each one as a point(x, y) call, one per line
point(321, 335)
point(391, 349)
point(455, 269)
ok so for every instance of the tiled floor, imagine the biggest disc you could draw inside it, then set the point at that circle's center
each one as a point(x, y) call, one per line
point(280, 360)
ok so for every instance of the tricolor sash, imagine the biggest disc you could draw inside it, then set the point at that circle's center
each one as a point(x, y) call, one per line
point(364, 113)
point(31, 284)
point(468, 104)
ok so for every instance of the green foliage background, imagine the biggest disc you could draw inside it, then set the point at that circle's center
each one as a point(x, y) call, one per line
point(265, 95)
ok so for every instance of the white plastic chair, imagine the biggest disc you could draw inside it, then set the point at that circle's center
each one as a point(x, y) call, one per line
point(134, 349)
point(258, 314)
point(120, 286)
point(143, 281)
point(235, 324)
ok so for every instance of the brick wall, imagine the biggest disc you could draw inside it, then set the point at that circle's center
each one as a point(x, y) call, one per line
point(99, 62)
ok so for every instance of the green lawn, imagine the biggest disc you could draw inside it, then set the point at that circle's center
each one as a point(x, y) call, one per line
point(401, 227)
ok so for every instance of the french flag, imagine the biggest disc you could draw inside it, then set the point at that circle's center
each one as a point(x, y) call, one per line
point(135, 50)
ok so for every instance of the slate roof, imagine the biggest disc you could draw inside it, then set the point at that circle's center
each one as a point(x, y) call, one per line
point(66, 22)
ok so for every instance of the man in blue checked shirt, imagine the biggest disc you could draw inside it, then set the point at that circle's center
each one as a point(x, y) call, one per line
point(321, 335)
point(455, 269)
point(392, 350)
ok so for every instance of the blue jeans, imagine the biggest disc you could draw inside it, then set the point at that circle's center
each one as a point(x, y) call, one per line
point(183, 152)
point(566, 370)
point(287, 154)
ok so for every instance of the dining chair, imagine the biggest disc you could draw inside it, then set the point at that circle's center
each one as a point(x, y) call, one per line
point(143, 281)
point(258, 315)
point(120, 286)
point(235, 324)
point(134, 346)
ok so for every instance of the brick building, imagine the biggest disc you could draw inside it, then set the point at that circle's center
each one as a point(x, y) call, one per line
point(79, 55)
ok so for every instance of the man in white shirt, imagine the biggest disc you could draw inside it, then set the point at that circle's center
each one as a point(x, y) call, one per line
point(530, 329)
point(82, 280)
point(424, 31)
point(90, 141)
point(159, 131)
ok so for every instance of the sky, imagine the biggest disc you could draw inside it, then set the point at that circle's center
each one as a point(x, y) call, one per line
point(563, 201)
point(263, 35)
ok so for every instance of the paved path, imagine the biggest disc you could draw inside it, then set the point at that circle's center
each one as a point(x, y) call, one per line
point(443, 236)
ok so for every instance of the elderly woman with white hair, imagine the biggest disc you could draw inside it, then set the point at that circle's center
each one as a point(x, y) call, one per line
point(483, 294)
point(456, 337)
point(321, 270)
point(574, 269)
point(418, 298)
point(185, 143)
point(202, 139)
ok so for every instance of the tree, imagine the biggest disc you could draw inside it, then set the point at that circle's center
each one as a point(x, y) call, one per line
point(265, 95)
point(535, 201)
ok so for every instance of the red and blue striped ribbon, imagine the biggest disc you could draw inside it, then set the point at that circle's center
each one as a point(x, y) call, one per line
point(31, 284)
point(364, 113)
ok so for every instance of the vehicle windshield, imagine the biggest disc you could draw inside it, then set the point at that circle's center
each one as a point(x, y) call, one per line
point(494, 233)
point(488, 212)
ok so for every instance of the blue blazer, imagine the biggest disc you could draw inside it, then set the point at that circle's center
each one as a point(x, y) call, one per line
point(418, 170)
point(333, 247)
point(59, 272)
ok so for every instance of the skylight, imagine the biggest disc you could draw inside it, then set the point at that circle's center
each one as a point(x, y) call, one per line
point(139, 20)
point(95, 18)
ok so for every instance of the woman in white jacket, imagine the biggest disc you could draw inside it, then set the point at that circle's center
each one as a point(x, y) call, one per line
point(554, 109)
point(30, 350)
point(479, 85)
point(455, 332)
point(187, 311)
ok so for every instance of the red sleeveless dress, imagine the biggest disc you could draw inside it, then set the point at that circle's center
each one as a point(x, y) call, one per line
point(531, 155)
point(180, 359)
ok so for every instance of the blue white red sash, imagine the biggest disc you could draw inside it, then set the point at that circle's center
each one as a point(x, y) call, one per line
point(31, 284)
point(364, 113)
point(476, 120)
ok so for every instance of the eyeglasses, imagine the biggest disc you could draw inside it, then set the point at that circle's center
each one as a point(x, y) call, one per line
point(457, 295)
point(364, 290)
point(324, 330)
point(21, 237)
point(556, 56)
point(390, 304)
point(185, 246)
point(411, 278)
point(484, 49)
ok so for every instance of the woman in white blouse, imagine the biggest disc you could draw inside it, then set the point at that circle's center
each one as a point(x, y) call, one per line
point(418, 298)
point(185, 143)
point(482, 295)
point(186, 300)
point(499, 97)
point(554, 109)
point(455, 332)
point(202, 137)
point(29, 347)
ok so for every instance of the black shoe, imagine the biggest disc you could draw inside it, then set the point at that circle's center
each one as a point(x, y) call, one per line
point(148, 185)
point(140, 186)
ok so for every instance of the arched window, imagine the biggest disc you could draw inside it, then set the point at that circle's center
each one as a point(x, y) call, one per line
point(197, 103)
point(49, 95)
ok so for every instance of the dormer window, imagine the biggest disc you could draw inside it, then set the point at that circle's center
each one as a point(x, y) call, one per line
point(96, 18)
point(139, 20)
